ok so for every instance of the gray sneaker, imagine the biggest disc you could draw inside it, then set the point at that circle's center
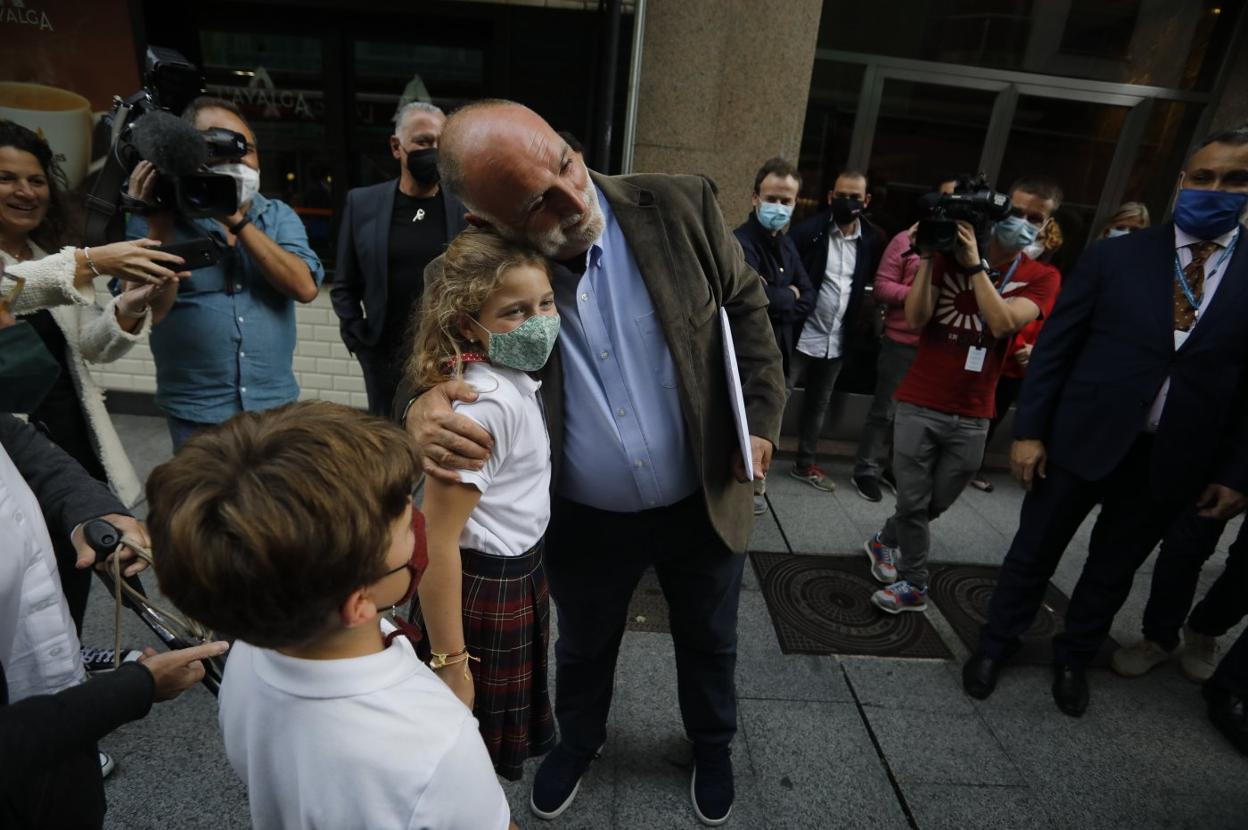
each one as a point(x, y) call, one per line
point(813, 476)
point(760, 505)
point(1200, 655)
point(1138, 659)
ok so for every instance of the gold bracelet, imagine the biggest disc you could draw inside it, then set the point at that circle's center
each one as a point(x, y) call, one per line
point(438, 660)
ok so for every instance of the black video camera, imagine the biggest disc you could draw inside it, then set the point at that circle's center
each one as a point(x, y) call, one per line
point(144, 127)
point(973, 201)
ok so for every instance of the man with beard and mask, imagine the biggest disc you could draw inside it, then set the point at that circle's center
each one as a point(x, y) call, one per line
point(645, 470)
point(770, 252)
point(1136, 399)
point(227, 342)
point(967, 308)
point(390, 232)
point(840, 253)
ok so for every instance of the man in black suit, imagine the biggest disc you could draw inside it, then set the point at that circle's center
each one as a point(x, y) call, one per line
point(390, 232)
point(1136, 399)
point(840, 252)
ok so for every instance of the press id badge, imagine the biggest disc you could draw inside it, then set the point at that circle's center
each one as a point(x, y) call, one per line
point(975, 358)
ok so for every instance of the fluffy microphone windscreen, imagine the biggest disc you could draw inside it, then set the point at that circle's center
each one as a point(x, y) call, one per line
point(173, 145)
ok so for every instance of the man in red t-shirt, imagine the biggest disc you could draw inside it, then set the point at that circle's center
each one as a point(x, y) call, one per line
point(968, 309)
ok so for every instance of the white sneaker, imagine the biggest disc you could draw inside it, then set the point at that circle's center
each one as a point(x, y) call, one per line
point(107, 765)
point(1138, 659)
point(1200, 655)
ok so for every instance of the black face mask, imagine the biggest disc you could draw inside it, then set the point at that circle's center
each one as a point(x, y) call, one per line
point(423, 165)
point(845, 210)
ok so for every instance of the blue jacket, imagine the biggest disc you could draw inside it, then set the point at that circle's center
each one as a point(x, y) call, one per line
point(777, 261)
point(1108, 347)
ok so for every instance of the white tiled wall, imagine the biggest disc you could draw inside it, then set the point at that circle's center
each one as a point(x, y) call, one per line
point(324, 368)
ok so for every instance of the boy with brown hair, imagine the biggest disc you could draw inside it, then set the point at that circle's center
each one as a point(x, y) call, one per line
point(293, 531)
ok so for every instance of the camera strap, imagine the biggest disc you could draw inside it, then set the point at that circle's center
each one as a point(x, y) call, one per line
point(985, 338)
point(103, 217)
point(1009, 275)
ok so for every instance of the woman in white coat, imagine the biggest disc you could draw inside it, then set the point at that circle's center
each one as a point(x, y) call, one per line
point(76, 329)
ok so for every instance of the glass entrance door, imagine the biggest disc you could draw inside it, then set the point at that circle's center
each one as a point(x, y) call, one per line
point(1073, 142)
point(924, 132)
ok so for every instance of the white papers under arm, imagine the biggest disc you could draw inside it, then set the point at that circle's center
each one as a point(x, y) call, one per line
point(736, 395)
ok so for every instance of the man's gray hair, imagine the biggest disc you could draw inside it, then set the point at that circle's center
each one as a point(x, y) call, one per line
point(414, 106)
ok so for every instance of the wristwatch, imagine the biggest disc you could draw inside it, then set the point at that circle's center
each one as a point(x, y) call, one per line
point(238, 226)
point(972, 270)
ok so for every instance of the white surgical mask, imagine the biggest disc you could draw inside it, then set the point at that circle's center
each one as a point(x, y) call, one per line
point(246, 180)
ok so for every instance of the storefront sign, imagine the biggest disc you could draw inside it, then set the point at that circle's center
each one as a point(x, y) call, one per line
point(16, 11)
point(261, 92)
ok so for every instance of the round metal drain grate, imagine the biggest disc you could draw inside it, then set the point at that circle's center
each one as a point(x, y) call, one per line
point(963, 592)
point(970, 587)
point(821, 605)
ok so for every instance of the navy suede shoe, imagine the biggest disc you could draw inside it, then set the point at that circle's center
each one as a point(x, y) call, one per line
point(711, 788)
point(557, 781)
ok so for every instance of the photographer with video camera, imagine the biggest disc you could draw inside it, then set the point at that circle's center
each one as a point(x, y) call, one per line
point(967, 308)
point(228, 345)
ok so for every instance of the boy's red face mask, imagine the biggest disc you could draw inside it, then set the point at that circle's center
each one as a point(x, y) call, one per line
point(416, 568)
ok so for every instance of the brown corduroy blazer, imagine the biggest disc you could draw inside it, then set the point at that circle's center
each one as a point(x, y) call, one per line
point(692, 265)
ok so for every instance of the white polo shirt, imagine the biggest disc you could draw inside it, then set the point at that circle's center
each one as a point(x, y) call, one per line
point(371, 742)
point(515, 482)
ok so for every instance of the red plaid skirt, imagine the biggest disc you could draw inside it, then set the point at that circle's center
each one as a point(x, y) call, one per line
point(507, 624)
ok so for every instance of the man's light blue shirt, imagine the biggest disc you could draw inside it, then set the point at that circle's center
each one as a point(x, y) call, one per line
point(228, 343)
point(625, 446)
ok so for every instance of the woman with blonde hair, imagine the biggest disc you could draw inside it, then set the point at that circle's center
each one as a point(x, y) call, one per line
point(491, 320)
point(1129, 217)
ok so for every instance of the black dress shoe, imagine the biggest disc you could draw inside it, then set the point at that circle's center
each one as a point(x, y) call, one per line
point(979, 675)
point(1070, 689)
point(1229, 713)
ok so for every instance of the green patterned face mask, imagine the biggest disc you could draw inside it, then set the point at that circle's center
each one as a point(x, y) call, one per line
point(526, 347)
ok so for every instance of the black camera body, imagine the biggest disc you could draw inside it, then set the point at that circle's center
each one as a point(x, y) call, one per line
point(144, 127)
point(973, 201)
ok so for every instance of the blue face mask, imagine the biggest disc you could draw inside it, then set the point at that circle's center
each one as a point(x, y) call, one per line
point(1015, 233)
point(1112, 232)
point(774, 216)
point(1207, 214)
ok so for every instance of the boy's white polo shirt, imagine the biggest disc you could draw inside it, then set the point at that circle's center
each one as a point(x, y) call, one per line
point(365, 742)
point(515, 482)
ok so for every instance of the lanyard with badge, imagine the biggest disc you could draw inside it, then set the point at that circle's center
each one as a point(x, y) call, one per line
point(1180, 337)
point(976, 355)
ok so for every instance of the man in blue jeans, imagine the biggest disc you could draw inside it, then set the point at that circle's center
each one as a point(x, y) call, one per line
point(227, 344)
